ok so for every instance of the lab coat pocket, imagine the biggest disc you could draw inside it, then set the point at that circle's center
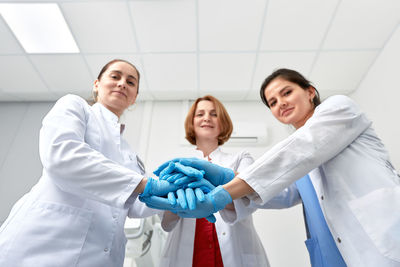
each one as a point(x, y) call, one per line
point(379, 215)
point(314, 252)
point(51, 234)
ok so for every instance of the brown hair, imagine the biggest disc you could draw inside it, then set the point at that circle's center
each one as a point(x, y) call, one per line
point(291, 76)
point(224, 120)
point(105, 68)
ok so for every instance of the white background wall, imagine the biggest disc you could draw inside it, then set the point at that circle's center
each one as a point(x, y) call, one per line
point(155, 130)
point(379, 96)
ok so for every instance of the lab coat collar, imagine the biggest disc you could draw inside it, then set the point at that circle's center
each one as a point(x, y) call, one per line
point(109, 116)
point(213, 154)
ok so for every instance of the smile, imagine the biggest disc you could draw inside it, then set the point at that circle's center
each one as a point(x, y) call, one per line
point(120, 93)
point(287, 112)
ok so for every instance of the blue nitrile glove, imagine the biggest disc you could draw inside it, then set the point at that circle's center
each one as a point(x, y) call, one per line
point(162, 203)
point(165, 166)
point(172, 177)
point(194, 192)
point(215, 174)
point(185, 197)
point(183, 181)
point(156, 187)
point(203, 184)
point(214, 201)
point(169, 167)
point(174, 166)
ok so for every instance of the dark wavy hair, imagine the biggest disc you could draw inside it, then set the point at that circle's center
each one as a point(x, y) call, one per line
point(291, 76)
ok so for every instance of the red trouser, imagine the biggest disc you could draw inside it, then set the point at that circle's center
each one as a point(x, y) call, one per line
point(206, 250)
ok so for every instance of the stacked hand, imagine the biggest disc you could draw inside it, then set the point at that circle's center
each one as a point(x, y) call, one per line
point(212, 202)
point(215, 174)
point(189, 182)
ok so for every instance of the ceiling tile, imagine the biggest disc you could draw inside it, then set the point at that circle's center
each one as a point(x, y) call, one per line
point(340, 72)
point(165, 25)
point(296, 25)
point(64, 73)
point(228, 33)
point(6, 97)
point(171, 76)
point(229, 74)
point(363, 24)
point(269, 62)
point(38, 97)
point(230, 24)
point(18, 75)
point(8, 43)
point(100, 27)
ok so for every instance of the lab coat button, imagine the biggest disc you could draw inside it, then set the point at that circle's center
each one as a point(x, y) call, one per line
point(339, 240)
point(106, 250)
point(223, 233)
point(322, 197)
point(114, 216)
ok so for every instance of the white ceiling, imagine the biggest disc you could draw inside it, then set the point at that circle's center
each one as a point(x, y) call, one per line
point(188, 48)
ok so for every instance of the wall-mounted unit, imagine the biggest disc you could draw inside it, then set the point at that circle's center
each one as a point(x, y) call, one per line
point(248, 133)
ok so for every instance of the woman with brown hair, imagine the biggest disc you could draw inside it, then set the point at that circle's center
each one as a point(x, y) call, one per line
point(197, 242)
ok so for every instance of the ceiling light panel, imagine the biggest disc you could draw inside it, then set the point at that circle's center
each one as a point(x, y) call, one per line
point(8, 43)
point(340, 72)
point(361, 24)
point(230, 24)
point(171, 76)
point(229, 74)
point(101, 27)
point(165, 25)
point(296, 25)
point(40, 28)
point(18, 76)
point(64, 73)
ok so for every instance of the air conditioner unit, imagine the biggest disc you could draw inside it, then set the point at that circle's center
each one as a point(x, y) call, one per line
point(248, 133)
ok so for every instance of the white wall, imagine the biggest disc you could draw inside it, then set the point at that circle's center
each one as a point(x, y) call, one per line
point(20, 166)
point(379, 96)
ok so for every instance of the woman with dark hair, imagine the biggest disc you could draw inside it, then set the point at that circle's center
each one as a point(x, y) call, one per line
point(350, 192)
point(198, 242)
point(75, 214)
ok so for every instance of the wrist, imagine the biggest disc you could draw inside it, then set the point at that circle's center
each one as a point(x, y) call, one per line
point(238, 188)
point(141, 186)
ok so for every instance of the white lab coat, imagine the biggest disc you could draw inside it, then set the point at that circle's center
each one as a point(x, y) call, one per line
point(239, 242)
point(75, 214)
point(358, 188)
